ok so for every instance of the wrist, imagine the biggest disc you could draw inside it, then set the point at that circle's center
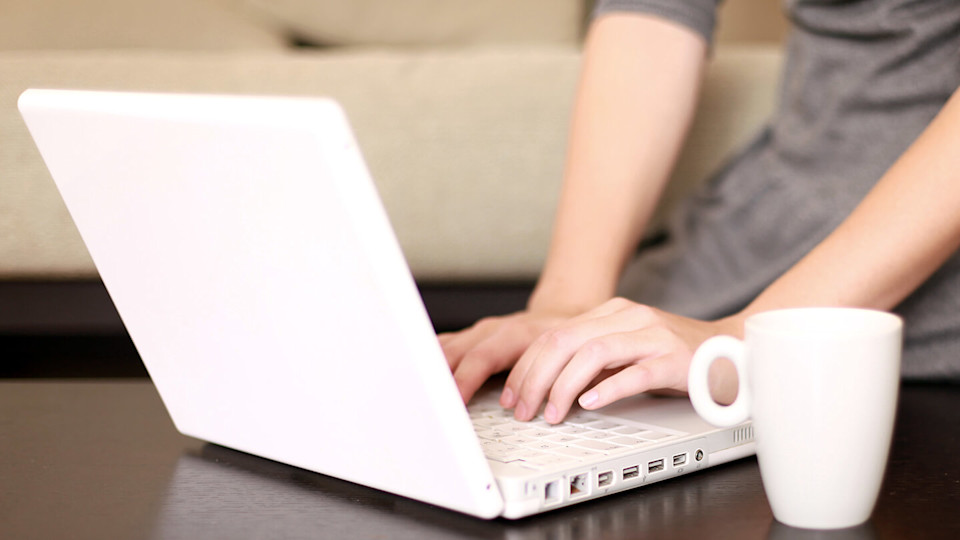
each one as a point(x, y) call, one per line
point(555, 298)
point(733, 325)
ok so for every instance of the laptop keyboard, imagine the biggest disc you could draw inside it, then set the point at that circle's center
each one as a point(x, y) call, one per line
point(583, 436)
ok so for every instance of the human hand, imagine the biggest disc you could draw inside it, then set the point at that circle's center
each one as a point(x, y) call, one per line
point(633, 348)
point(493, 345)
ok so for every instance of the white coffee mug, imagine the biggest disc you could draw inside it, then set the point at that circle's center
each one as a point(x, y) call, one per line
point(821, 386)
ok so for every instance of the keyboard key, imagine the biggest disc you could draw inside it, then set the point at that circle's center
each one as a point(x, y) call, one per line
point(574, 430)
point(603, 424)
point(650, 435)
point(497, 433)
point(501, 459)
point(550, 459)
point(603, 446)
point(488, 421)
point(576, 452)
point(544, 445)
point(629, 441)
point(563, 438)
point(501, 450)
point(519, 440)
point(579, 419)
point(499, 447)
point(596, 435)
point(516, 427)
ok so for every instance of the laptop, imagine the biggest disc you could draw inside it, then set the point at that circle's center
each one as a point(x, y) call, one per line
point(248, 254)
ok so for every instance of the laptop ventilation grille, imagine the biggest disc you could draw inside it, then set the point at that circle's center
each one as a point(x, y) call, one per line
point(744, 434)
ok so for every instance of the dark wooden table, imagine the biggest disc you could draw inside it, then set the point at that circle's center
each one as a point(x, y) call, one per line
point(102, 460)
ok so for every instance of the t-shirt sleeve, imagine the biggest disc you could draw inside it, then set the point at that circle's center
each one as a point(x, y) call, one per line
point(698, 15)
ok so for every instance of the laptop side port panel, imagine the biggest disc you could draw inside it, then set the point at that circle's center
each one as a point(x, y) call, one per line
point(565, 487)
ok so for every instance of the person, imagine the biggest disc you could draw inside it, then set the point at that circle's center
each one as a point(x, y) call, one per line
point(850, 196)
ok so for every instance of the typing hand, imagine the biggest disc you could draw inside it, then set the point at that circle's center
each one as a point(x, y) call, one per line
point(633, 348)
point(492, 345)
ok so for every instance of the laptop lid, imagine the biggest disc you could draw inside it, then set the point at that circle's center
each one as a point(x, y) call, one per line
point(252, 263)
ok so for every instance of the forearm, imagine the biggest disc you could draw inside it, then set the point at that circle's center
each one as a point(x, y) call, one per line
point(906, 228)
point(636, 98)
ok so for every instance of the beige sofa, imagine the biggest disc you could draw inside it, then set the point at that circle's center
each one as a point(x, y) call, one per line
point(460, 107)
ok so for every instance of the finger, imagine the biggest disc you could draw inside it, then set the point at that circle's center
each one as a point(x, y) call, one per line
point(472, 373)
point(665, 372)
point(494, 354)
point(610, 352)
point(544, 365)
point(514, 381)
point(511, 393)
point(456, 344)
point(511, 388)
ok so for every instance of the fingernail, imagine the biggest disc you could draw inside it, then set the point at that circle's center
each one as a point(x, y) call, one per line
point(550, 413)
point(520, 413)
point(589, 399)
point(506, 398)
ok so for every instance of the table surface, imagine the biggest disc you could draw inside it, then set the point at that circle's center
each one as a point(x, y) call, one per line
point(98, 459)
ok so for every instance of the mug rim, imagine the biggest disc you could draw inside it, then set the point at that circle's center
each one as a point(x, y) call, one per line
point(826, 320)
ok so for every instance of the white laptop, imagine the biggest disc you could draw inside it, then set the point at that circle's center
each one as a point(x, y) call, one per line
point(249, 256)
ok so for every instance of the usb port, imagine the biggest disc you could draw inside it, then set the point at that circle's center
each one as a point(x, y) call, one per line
point(655, 466)
point(605, 479)
point(631, 472)
point(679, 460)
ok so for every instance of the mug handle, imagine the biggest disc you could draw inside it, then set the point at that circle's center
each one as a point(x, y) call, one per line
point(699, 389)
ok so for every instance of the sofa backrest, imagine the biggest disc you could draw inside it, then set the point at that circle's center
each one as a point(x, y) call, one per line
point(131, 24)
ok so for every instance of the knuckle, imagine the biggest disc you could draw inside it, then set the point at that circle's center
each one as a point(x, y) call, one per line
point(476, 357)
point(557, 339)
point(619, 302)
point(487, 359)
point(641, 312)
point(595, 350)
point(487, 323)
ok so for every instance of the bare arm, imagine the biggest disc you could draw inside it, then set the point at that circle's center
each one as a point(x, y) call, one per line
point(638, 89)
point(903, 230)
point(635, 101)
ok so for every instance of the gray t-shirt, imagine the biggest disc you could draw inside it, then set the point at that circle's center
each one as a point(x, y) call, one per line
point(862, 79)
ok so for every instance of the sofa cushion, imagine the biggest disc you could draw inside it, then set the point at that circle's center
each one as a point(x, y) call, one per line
point(427, 22)
point(111, 24)
point(466, 147)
